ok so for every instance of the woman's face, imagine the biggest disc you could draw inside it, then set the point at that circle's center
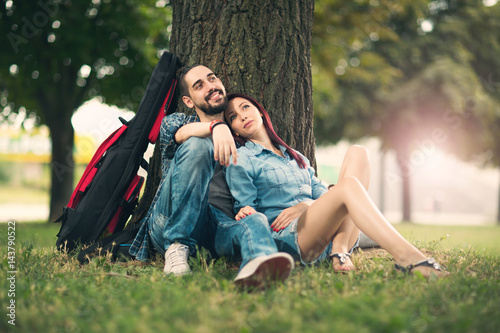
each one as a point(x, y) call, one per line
point(243, 117)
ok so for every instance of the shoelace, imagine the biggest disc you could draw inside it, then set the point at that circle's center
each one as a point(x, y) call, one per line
point(178, 256)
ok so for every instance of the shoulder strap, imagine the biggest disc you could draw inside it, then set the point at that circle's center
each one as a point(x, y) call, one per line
point(85, 179)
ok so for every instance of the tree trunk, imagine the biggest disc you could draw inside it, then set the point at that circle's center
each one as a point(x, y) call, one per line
point(257, 47)
point(62, 164)
point(404, 165)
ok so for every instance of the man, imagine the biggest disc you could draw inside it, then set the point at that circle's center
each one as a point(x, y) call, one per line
point(192, 205)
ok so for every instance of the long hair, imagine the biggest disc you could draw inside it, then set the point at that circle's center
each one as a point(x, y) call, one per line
point(275, 139)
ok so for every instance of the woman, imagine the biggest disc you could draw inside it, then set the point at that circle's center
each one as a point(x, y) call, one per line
point(305, 216)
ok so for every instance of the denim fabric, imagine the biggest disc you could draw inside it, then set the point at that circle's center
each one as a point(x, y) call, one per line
point(182, 203)
point(170, 124)
point(181, 212)
point(287, 241)
point(243, 240)
point(270, 183)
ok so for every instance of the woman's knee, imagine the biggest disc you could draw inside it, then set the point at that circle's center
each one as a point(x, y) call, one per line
point(349, 185)
point(357, 153)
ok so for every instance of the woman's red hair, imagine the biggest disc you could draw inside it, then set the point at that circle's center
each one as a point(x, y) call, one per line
point(275, 139)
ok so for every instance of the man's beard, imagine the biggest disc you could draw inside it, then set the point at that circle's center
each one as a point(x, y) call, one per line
point(210, 110)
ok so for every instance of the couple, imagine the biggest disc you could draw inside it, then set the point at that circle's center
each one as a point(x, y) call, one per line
point(276, 210)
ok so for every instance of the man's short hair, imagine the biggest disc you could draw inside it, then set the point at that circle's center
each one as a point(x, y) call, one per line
point(181, 72)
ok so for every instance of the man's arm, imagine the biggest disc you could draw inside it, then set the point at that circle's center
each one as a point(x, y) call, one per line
point(224, 145)
point(199, 129)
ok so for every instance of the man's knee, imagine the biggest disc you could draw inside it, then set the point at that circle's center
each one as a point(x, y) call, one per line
point(255, 221)
point(196, 150)
point(195, 143)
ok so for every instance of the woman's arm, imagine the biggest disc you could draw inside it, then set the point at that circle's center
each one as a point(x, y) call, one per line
point(318, 187)
point(240, 179)
point(289, 214)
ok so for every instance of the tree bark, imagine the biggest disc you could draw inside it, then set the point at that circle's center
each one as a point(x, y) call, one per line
point(59, 102)
point(62, 164)
point(257, 47)
point(260, 48)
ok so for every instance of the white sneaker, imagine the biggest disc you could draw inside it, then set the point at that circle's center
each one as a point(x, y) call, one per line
point(265, 270)
point(176, 260)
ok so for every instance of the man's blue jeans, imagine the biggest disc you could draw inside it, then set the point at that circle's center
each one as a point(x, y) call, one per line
point(182, 214)
point(244, 240)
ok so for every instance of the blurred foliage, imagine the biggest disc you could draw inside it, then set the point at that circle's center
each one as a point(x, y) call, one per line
point(409, 72)
point(347, 71)
point(58, 54)
point(4, 174)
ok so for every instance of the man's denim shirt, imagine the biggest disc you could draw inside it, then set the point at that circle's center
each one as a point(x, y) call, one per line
point(270, 183)
point(169, 126)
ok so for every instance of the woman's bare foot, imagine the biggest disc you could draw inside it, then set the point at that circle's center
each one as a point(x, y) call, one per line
point(427, 272)
point(427, 267)
point(341, 262)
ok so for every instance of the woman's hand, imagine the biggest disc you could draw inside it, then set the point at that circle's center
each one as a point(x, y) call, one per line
point(288, 215)
point(245, 211)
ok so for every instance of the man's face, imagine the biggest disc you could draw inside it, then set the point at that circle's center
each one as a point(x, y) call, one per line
point(206, 91)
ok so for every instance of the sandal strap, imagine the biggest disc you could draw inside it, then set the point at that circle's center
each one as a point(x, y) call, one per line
point(429, 262)
point(341, 256)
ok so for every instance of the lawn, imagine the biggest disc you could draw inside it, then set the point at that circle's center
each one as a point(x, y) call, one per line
point(53, 293)
point(17, 194)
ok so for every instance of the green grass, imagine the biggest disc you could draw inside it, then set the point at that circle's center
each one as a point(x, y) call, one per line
point(55, 294)
point(481, 238)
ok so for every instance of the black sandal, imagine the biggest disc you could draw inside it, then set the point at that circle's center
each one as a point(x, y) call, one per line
point(341, 256)
point(429, 262)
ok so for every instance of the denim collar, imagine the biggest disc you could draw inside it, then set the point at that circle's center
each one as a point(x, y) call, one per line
point(256, 149)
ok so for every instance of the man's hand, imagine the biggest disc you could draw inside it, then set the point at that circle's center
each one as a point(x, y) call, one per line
point(288, 215)
point(245, 211)
point(224, 145)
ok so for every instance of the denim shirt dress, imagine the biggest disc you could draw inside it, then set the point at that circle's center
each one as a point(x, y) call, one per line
point(270, 183)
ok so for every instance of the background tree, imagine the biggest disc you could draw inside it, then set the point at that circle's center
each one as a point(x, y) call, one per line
point(451, 48)
point(472, 25)
point(400, 69)
point(58, 54)
point(257, 47)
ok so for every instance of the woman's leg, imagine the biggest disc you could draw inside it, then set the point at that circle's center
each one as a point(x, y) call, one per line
point(355, 164)
point(345, 238)
point(323, 219)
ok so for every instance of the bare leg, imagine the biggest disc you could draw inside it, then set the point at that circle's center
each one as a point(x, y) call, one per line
point(355, 164)
point(322, 220)
point(343, 241)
